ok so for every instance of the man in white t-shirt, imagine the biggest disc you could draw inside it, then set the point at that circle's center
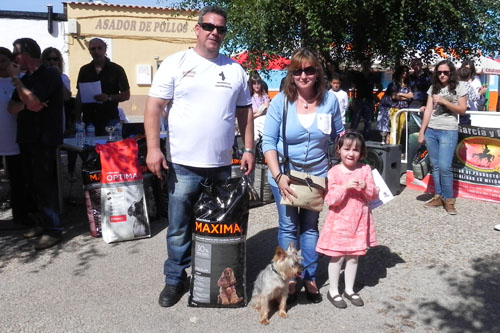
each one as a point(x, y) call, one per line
point(341, 95)
point(205, 91)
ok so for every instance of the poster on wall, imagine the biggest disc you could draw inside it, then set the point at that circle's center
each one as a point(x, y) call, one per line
point(476, 165)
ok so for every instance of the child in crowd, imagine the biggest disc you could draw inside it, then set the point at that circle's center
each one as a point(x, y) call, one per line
point(260, 103)
point(349, 227)
point(341, 95)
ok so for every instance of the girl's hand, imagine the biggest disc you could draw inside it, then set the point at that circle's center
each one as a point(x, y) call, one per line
point(436, 99)
point(361, 184)
point(351, 183)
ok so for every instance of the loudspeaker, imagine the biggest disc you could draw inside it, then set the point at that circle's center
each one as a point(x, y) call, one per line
point(386, 159)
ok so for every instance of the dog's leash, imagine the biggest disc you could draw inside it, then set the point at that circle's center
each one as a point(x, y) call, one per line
point(315, 262)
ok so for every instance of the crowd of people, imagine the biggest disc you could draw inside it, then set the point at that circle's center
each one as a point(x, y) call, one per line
point(36, 111)
point(201, 135)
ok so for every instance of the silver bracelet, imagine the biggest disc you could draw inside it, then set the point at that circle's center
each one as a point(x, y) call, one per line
point(248, 150)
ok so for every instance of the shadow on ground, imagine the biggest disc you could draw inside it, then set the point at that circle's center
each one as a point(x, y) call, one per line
point(260, 251)
point(472, 304)
point(372, 268)
point(479, 306)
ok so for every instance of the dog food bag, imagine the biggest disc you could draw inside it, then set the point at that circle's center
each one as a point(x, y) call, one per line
point(92, 194)
point(124, 214)
point(218, 277)
point(91, 175)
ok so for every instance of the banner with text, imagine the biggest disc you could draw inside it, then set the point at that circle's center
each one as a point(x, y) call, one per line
point(476, 165)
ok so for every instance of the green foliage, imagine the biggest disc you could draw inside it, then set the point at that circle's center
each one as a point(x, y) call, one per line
point(349, 31)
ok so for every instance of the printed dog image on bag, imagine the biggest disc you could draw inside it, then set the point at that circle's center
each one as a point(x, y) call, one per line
point(227, 291)
point(141, 225)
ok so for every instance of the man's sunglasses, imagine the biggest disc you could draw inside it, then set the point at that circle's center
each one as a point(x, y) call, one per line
point(308, 70)
point(210, 27)
point(446, 73)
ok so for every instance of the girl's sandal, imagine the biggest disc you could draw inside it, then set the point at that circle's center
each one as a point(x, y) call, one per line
point(337, 301)
point(355, 299)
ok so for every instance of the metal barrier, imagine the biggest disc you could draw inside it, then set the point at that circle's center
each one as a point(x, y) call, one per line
point(406, 111)
point(394, 131)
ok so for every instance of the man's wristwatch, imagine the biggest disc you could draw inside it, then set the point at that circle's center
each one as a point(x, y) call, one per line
point(248, 150)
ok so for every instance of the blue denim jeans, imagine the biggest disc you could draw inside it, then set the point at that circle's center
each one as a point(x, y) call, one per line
point(184, 188)
point(441, 145)
point(296, 223)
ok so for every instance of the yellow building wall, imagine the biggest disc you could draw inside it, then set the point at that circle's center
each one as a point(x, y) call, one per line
point(135, 35)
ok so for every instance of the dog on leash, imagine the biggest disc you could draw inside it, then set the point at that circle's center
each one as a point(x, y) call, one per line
point(272, 282)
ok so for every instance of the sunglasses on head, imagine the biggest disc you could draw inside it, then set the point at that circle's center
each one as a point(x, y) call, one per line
point(308, 70)
point(210, 27)
point(446, 73)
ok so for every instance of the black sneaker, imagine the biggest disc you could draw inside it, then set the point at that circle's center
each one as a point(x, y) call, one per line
point(171, 294)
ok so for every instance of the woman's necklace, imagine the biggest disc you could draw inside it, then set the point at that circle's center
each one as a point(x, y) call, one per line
point(306, 103)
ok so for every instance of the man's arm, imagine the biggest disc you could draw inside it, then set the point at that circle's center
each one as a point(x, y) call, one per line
point(28, 99)
point(152, 118)
point(14, 107)
point(245, 124)
point(120, 97)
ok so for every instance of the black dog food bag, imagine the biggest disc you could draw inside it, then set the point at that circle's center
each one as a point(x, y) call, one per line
point(218, 276)
point(91, 175)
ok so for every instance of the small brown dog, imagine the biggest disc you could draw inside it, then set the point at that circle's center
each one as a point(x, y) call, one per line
point(227, 290)
point(272, 282)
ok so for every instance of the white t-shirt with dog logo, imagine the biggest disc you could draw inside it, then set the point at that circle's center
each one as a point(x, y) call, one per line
point(201, 117)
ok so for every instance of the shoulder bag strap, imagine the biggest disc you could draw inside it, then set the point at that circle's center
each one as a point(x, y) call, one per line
point(283, 135)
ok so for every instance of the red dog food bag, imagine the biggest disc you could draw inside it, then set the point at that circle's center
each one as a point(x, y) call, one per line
point(124, 214)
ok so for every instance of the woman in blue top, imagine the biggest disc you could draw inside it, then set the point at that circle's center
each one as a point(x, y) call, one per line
point(313, 119)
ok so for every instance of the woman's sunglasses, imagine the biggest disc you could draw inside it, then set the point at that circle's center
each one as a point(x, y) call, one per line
point(210, 27)
point(53, 59)
point(308, 70)
point(446, 73)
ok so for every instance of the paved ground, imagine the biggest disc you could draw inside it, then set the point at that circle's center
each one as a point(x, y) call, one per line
point(431, 272)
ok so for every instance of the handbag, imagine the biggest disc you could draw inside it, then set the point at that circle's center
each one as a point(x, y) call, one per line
point(310, 189)
point(420, 163)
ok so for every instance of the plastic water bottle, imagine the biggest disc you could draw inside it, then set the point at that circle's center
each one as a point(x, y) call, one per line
point(80, 134)
point(91, 135)
point(117, 134)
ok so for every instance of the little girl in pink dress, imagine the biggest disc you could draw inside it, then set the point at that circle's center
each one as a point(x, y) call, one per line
point(349, 228)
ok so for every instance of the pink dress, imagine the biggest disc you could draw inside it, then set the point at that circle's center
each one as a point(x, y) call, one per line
point(349, 227)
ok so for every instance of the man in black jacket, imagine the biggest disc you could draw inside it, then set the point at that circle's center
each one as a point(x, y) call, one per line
point(38, 103)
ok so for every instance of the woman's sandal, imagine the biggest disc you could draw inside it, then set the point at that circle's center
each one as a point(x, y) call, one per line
point(337, 301)
point(313, 297)
point(355, 299)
